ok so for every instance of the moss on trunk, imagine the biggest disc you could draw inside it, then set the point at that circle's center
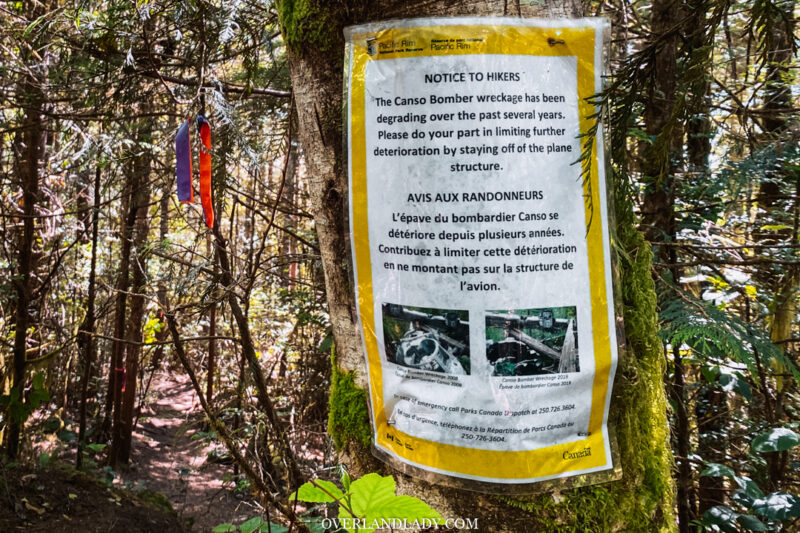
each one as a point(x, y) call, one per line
point(348, 416)
point(314, 24)
point(642, 499)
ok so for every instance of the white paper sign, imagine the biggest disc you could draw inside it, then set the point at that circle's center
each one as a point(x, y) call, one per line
point(486, 303)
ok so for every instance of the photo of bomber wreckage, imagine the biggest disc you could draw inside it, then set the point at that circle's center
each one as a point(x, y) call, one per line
point(426, 339)
point(532, 341)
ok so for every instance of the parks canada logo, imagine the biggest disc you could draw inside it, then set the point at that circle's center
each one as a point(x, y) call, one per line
point(586, 452)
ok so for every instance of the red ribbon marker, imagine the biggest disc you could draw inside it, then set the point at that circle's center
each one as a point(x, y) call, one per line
point(205, 170)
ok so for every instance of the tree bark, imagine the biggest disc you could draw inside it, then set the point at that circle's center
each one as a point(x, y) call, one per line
point(140, 203)
point(780, 50)
point(29, 151)
point(316, 66)
point(86, 333)
point(115, 369)
point(661, 164)
point(711, 407)
point(212, 332)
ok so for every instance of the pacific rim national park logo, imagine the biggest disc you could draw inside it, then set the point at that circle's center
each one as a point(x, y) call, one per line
point(372, 48)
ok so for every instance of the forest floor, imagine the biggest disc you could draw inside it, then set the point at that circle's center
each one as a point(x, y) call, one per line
point(63, 500)
point(170, 486)
point(168, 460)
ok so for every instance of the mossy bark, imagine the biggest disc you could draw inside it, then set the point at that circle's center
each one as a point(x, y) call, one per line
point(643, 499)
point(348, 415)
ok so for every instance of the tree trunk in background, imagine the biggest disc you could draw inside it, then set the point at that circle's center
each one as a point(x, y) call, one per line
point(779, 40)
point(115, 369)
point(29, 151)
point(711, 408)
point(212, 330)
point(711, 412)
point(661, 161)
point(161, 292)
point(289, 177)
point(780, 55)
point(289, 221)
point(642, 500)
point(140, 203)
point(86, 334)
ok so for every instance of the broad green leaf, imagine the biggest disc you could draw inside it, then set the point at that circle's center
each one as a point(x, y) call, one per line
point(315, 526)
point(775, 440)
point(330, 488)
point(749, 487)
point(345, 515)
point(404, 507)
point(38, 397)
point(710, 373)
point(269, 527)
point(371, 491)
point(373, 499)
point(722, 517)
point(741, 497)
point(718, 470)
point(66, 435)
point(308, 492)
point(45, 459)
point(224, 528)
point(751, 523)
point(251, 525)
point(778, 506)
point(734, 382)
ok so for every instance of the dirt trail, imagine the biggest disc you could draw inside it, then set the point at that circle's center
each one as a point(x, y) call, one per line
point(167, 460)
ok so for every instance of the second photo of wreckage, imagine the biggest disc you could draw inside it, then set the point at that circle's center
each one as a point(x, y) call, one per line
point(520, 342)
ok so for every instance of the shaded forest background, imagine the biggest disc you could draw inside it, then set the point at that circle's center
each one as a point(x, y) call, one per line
point(109, 283)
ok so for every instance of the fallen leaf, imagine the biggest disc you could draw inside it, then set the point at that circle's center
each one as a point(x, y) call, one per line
point(37, 510)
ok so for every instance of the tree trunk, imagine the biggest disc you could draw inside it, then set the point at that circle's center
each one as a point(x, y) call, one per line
point(711, 408)
point(29, 150)
point(642, 500)
point(712, 439)
point(115, 369)
point(212, 332)
point(661, 162)
point(86, 333)
point(288, 247)
point(140, 203)
point(780, 49)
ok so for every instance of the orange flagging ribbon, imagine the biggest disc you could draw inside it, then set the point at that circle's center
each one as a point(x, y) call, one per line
point(205, 170)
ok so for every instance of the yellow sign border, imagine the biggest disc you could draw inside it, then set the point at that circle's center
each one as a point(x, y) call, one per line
point(545, 462)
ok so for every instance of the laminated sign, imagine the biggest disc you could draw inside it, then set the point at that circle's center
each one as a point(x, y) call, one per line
point(481, 247)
